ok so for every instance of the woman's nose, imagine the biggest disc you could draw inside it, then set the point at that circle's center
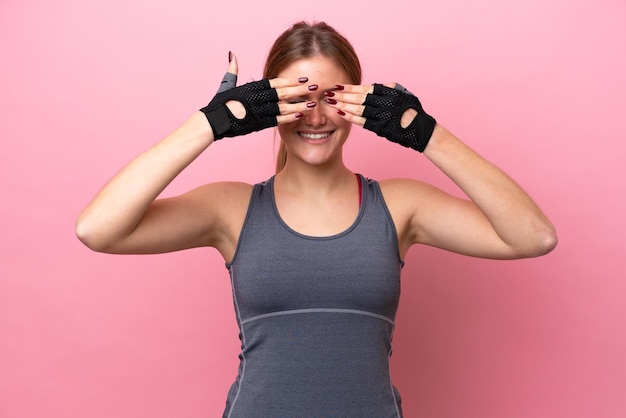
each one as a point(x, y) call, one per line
point(315, 116)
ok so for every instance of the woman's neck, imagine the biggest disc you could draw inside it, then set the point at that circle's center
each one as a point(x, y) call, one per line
point(317, 201)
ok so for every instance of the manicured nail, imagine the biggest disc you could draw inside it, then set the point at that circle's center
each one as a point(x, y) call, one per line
point(311, 104)
point(299, 115)
point(341, 112)
point(313, 87)
point(329, 94)
point(338, 87)
point(230, 56)
point(303, 79)
point(331, 101)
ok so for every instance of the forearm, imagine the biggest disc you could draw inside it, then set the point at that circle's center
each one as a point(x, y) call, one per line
point(119, 206)
point(512, 213)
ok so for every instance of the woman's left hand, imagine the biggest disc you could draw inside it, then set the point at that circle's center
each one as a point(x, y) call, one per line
point(391, 112)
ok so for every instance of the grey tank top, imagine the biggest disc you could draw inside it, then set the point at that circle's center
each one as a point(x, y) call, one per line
point(316, 314)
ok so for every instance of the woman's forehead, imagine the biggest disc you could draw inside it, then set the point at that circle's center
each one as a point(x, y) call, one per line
point(318, 69)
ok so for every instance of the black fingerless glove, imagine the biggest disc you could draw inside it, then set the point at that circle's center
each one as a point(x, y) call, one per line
point(260, 102)
point(383, 110)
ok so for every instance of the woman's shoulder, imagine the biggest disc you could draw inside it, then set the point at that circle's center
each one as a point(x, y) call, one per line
point(405, 196)
point(220, 210)
point(397, 187)
point(228, 186)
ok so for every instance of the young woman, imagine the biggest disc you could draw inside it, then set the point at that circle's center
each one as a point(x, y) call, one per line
point(315, 252)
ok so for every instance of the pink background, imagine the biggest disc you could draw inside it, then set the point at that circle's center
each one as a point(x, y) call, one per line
point(536, 86)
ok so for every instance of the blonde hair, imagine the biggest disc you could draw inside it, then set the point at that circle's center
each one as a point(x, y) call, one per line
point(305, 40)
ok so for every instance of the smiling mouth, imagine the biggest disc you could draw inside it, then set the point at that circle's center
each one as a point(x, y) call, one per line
point(315, 136)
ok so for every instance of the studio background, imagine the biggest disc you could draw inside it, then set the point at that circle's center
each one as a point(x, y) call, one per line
point(537, 87)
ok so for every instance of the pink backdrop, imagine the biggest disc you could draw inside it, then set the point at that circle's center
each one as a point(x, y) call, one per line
point(536, 86)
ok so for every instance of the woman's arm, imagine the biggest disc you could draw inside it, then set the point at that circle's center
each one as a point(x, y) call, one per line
point(499, 221)
point(112, 221)
point(124, 216)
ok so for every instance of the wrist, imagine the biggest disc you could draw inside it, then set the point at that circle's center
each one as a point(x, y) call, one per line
point(424, 127)
point(197, 129)
point(443, 144)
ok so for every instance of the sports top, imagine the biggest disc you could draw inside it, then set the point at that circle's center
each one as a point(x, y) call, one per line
point(316, 314)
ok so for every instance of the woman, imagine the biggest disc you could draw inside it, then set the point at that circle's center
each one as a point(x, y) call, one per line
point(315, 252)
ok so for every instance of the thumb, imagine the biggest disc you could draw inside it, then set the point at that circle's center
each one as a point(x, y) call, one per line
point(403, 89)
point(230, 78)
point(233, 67)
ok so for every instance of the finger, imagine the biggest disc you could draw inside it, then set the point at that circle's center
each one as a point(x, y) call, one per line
point(230, 78)
point(355, 94)
point(228, 82)
point(294, 91)
point(353, 109)
point(278, 83)
point(350, 112)
point(287, 108)
point(352, 98)
point(400, 87)
point(354, 88)
point(290, 112)
point(233, 66)
point(292, 117)
point(350, 117)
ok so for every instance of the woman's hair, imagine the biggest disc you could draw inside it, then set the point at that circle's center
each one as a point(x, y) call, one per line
point(305, 40)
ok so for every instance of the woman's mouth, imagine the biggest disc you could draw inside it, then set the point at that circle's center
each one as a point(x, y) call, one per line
point(315, 136)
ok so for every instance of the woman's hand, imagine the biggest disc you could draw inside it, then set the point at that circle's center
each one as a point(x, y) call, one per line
point(390, 112)
point(254, 106)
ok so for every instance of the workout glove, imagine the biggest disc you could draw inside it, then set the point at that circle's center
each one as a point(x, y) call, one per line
point(260, 102)
point(383, 110)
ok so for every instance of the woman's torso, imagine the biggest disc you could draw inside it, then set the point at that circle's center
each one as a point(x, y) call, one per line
point(315, 313)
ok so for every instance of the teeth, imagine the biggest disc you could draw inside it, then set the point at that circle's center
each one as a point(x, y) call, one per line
point(315, 136)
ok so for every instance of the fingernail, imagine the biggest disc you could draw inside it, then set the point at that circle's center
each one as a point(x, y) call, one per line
point(341, 112)
point(331, 101)
point(230, 56)
point(338, 87)
point(303, 79)
point(329, 94)
point(311, 104)
point(299, 115)
point(313, 87)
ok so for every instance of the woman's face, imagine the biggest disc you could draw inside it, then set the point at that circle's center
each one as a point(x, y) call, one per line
point(318, 137)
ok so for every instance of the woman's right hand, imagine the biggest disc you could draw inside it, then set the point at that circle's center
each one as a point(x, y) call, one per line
point(254, 106)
